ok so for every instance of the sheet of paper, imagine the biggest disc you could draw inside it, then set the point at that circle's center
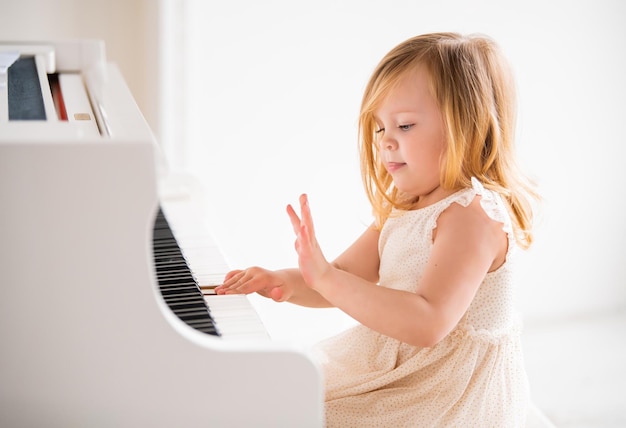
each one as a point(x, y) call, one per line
point(6, 59)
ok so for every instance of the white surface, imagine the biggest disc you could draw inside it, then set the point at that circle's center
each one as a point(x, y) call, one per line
point(272, 105)
point(86, 338)
point(273, 93)
point(577, 370)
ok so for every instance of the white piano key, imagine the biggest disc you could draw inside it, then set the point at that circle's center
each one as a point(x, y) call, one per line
point(235, 318)
point(234, 315)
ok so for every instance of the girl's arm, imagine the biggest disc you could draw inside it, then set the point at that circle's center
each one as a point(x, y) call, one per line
point(466, 245)
point(280, 285)
point(360, 259)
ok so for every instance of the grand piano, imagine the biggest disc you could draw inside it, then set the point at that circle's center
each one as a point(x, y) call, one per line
point(106, 312)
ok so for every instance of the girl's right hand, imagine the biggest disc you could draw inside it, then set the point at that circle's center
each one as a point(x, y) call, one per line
point(267, 283)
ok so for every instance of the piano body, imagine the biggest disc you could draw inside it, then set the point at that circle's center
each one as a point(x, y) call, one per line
point(89, 330)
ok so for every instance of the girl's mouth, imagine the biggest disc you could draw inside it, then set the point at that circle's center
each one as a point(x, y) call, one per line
point(394, 166)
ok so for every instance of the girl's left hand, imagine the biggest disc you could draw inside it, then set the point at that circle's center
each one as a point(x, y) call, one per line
point(311, 260)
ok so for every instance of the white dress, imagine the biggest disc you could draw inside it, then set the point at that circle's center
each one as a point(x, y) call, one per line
point(474, 377)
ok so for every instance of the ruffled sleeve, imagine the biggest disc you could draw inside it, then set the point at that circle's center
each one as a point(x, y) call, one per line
point(492, 204)
point(490, 201)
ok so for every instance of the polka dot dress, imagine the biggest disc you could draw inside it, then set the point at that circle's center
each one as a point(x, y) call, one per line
point(474, 377)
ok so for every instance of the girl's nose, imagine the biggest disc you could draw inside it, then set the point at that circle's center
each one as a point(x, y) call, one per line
point(388, 143)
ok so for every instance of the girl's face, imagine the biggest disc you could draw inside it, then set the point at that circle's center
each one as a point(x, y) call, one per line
point(411, 137)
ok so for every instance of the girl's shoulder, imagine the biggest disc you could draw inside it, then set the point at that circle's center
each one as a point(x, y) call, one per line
point(474, 206)
point(474, 220)
point(490, 202)
point(477, 217)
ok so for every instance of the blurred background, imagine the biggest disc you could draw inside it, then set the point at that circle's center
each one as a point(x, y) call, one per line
point(258, 100)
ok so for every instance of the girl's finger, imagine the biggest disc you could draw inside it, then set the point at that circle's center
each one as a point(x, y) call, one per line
point(233, 277)
point(231, 282)
point(305, 211)
point(277, 294)
point(242, 285)
point(231, 274)
point(295, 220)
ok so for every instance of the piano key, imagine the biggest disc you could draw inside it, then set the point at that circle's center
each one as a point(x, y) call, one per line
point(180, 292)
point(189, 261)
point(234, 317)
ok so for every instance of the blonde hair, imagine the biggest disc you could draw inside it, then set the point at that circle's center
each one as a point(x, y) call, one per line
point(473, 86)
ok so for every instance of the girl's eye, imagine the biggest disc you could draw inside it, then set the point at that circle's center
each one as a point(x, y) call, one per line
point(378, 131)
point(406, 127)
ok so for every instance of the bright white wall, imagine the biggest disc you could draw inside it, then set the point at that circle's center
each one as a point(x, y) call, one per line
point(274, 89)
point(268, 93)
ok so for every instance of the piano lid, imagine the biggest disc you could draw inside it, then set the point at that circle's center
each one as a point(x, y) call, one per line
point(65, 91)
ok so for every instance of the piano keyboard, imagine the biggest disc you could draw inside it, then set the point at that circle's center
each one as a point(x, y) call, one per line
point(188, 266)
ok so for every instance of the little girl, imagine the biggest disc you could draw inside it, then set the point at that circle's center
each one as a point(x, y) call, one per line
point(431, 281)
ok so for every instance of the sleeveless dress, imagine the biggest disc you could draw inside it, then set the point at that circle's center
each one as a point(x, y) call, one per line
point(474, 377)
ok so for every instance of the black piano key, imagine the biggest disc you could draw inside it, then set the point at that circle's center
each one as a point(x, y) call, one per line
point(176, 282)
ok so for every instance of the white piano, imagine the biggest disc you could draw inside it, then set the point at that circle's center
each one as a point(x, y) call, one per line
point(102, 321)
